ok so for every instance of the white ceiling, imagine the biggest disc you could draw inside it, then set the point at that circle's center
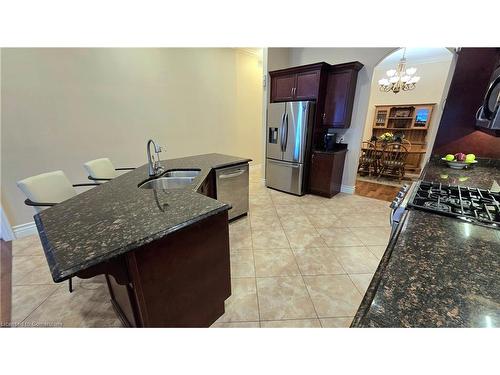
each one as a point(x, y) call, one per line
point(416, 56)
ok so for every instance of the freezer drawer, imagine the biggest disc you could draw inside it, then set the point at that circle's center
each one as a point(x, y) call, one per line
point(284, 176)
point(232, 188)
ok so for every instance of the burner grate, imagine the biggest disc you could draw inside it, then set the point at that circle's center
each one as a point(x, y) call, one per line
point(478, 205)
point(437, 206)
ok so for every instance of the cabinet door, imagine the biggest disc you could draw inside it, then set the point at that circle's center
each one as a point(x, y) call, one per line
point(338, 101)
point(381, 117)
point(282, 87)
point(307, 85)
point(321, 173)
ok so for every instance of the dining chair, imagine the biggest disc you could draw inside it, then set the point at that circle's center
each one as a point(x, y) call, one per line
point(101, 170)
point(48, 189)
point(368, 158)
point(407, 144)
point(393, 160)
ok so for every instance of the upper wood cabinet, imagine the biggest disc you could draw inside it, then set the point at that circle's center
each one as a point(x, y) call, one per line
point(299, 83)
point(332, 86)
point(339, 99)
point(307, 85)
point(282, 88)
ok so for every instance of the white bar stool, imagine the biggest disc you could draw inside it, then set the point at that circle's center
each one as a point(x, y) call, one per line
point(102, 170)
point(48, 189)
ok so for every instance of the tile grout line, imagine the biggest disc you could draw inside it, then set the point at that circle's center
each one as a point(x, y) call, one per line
point(301, 276)
point(295, 260)
point(343, 268)
point(41, 303)
point(287, 319)
point(255, 276)
point(356, 287)
point(255, 265)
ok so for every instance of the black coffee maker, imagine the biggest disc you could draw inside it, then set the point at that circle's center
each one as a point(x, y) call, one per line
point(329, 140)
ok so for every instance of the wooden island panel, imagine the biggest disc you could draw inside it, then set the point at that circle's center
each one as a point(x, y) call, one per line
point(180, 280)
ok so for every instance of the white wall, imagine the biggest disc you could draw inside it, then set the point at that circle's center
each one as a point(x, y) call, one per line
point(247, 134)
point(429, 89)
point(62, 107)
point(278, 58)
point(370, 57)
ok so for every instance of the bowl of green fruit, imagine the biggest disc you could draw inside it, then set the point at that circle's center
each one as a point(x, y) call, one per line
point(460, 160)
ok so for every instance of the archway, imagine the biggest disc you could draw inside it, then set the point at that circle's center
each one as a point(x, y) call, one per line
point(406, 115)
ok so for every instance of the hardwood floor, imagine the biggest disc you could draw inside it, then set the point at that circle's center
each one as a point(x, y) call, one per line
point(377, 191)
point(5, 282)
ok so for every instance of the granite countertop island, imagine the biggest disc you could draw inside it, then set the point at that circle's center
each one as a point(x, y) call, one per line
point(438, 271)
point(117, 217)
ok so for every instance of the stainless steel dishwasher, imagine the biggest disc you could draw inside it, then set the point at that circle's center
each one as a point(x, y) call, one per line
point(232, 188)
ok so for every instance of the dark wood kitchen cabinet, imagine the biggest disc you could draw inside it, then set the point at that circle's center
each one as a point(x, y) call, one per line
point(178, 281)
point(307, 85)
point(298, 83)
point(327, 169)
point(282, 87)
point(207, 187)
point(340, 91)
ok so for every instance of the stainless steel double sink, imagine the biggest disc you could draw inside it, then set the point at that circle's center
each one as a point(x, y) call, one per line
point(174, 179)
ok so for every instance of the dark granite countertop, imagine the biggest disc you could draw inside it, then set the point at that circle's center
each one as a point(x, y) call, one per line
point(485, 174)
point(438, 271)
point(117, 216)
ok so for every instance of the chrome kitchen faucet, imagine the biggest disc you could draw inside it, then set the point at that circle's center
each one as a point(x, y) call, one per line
point(154, 166)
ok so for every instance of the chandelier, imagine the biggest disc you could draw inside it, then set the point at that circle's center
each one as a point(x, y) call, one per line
point(401, 78)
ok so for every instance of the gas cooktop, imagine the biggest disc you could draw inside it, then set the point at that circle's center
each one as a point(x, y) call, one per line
point(478, 206)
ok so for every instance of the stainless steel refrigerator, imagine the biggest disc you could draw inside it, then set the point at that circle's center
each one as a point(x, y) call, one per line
point(289, 128)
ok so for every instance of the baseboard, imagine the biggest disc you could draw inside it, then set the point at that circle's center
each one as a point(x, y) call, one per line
point(347, 189)
point(24, 230)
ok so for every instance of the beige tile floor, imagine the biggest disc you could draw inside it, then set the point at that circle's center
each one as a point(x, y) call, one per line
point(295, 262)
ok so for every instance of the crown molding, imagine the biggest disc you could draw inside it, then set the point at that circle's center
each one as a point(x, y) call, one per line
point(256, 52)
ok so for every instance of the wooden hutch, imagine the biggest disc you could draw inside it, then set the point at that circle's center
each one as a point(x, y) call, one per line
point(410, 120)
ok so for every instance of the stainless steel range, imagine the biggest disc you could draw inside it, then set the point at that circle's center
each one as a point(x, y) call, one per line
point(477, 206)
point(398, 205)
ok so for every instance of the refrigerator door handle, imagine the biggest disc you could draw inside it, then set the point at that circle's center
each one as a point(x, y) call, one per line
point(282, 130)
point(285, 133)
point(288, 164)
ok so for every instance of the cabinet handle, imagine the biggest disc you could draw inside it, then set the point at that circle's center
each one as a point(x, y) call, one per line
point(294, 91)
point(324, 115)
point(291, 94)
point(284, 163)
